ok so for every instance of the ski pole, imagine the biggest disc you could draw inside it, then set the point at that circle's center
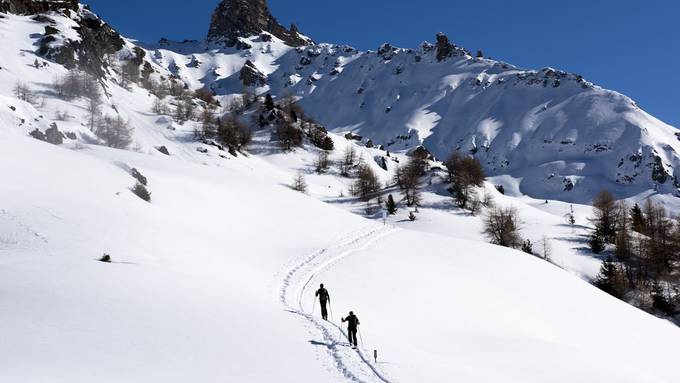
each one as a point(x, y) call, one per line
point(360, 337)
point(313, 306)
point(330, 308)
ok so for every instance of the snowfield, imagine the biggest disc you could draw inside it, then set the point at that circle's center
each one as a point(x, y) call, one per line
point(214, 279)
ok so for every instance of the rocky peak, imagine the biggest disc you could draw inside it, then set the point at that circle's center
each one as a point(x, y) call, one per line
point(244, 18)
point(31, 7)
point(446, 49)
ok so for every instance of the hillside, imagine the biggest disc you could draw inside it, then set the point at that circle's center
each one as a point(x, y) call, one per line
point(213, 278)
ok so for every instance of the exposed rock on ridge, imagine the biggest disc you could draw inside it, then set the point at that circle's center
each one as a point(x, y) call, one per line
point(244, 18)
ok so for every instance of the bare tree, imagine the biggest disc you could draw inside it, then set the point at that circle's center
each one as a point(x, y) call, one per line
point(115, 132)
point(94, 103)
point(367, 183)
point(129, 73)
point(408, 177)
point(501, 226)
point(299, 183)
point(23, 92)
point(605, 213)
point(322, 163)
point(546, 248)
point(159, 106)
point(234, 134)
point(465, 173)
point(349, 158)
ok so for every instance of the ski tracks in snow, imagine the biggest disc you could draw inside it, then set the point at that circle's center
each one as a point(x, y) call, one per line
point(354, 365)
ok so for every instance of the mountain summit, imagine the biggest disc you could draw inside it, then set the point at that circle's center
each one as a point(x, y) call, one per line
point(244, 18)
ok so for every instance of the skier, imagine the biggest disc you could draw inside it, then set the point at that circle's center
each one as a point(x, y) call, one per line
point(352, 323)
point(324, 298)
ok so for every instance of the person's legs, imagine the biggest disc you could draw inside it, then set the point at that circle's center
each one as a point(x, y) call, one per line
point(324, 313)
point(353, 337)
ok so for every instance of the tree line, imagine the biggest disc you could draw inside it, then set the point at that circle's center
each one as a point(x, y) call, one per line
point(643, 244)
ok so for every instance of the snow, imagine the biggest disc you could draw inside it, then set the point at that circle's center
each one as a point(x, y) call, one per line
point(214, 279)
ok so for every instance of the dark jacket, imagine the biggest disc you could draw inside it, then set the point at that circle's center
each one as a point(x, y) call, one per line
point(352, 322)
point(322, 293)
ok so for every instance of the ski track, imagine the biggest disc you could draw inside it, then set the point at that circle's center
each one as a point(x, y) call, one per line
point(352, 364)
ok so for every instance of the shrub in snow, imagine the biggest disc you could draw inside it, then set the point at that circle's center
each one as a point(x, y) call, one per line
point(412, 216)
point(106, 258)
point(318, 136)
point(528, 247)
point(163, 150)
point(142, 192)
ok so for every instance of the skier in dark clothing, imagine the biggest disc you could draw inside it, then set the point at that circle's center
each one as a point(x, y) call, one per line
point(324, 298)
point(352, 323)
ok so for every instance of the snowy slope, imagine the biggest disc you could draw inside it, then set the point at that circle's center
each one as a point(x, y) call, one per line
point(548, 127)
point(213, 280)
point(203, 279)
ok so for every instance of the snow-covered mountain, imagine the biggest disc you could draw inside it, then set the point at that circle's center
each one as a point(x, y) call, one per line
point(214, 279)
point(563, 136)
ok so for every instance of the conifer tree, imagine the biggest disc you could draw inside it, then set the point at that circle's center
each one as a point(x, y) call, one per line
point(607, 279)
point(269, 102)
point(637, 219)
point(391, 206)
point(596, 242)
point(605, 212)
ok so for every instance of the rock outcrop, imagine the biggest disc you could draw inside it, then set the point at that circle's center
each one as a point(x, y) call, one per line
point(251, 76)
point(97, 40)
point(31, 7)
point(245, 18)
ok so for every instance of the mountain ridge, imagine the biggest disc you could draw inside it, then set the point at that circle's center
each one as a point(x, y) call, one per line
point(565, 137)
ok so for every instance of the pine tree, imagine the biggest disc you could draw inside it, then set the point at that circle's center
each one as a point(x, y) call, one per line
point(605, 210)
point(637, 219)
point(661, 302)
point(607, 279)
point(391, 206)
point(623, 239)
point(269, 102)
point(596, 242)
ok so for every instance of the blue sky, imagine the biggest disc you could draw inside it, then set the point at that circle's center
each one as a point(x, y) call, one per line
point(630, 46)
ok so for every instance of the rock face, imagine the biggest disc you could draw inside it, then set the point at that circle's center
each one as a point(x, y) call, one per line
point(251, 76)
point(97, 39)
point(30, 7)
point(244, 18)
